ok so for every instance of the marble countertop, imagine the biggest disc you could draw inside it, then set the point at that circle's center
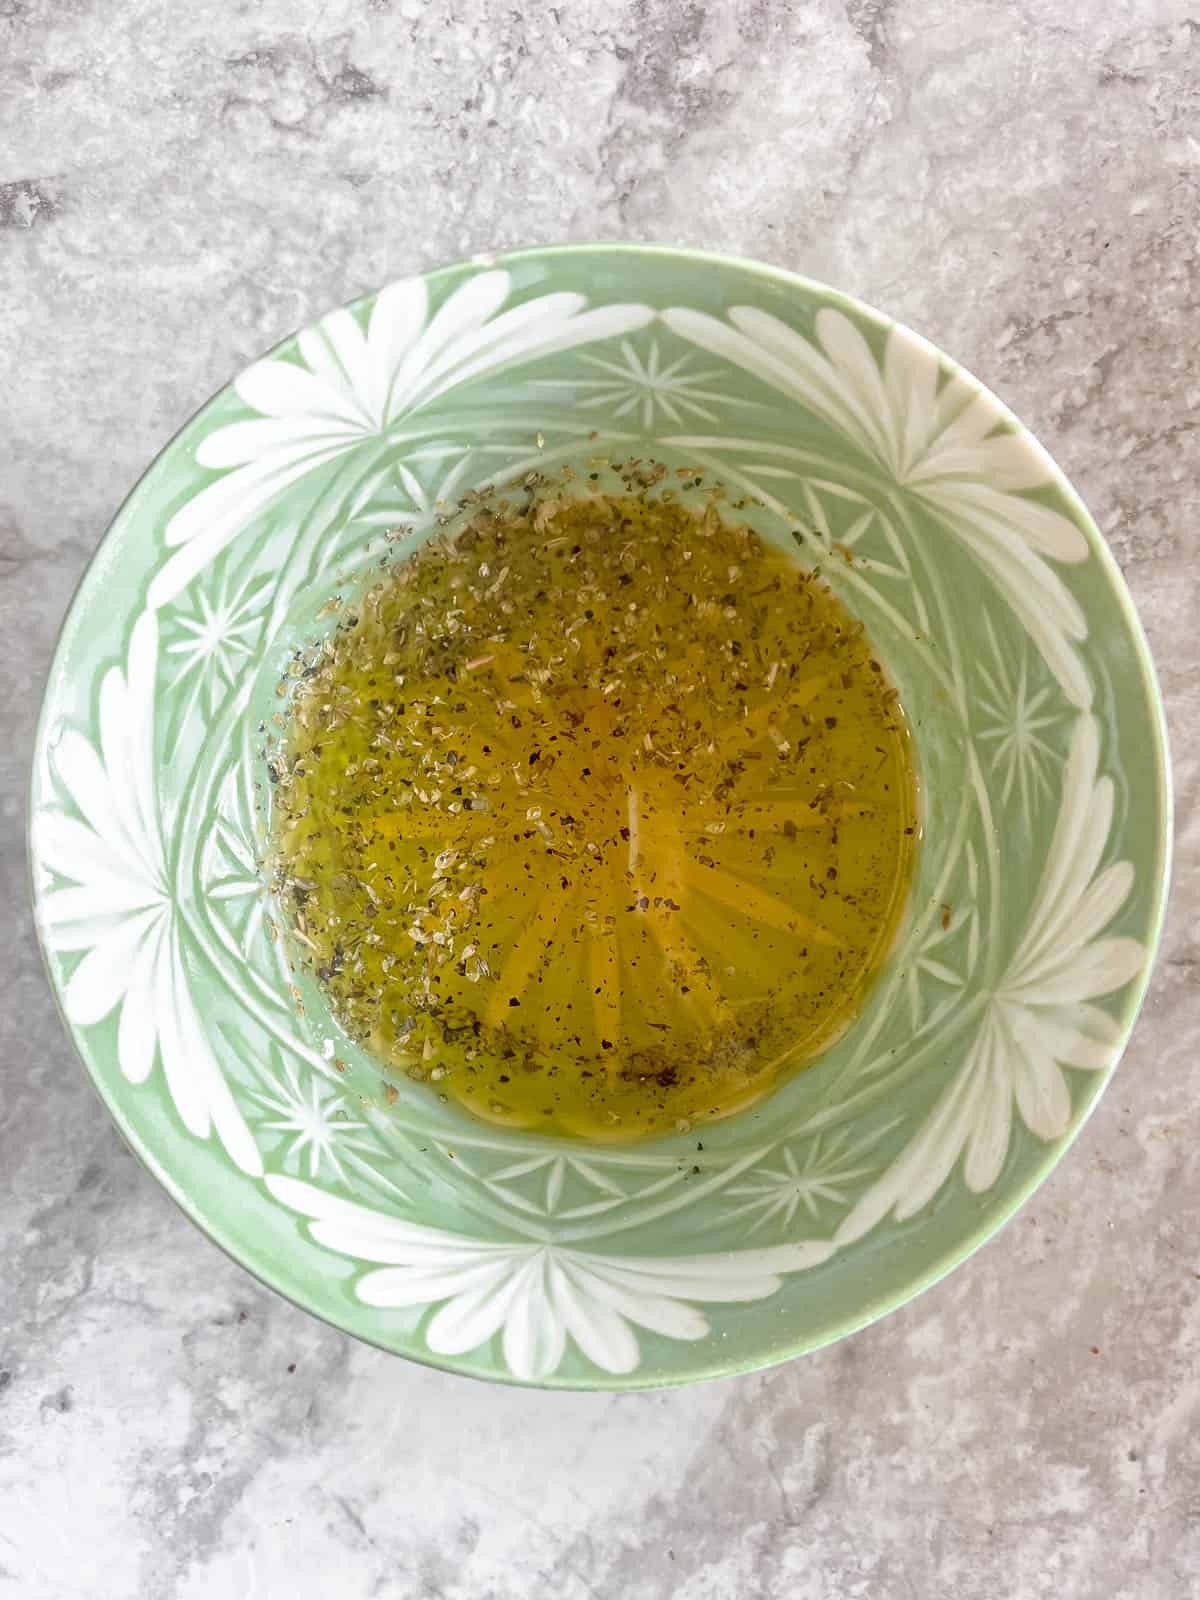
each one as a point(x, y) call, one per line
point(179, 187)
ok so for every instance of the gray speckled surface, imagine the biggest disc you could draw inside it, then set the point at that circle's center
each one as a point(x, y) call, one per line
point(180, 186)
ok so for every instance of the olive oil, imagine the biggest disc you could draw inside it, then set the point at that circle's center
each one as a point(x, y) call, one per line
point(599, 817)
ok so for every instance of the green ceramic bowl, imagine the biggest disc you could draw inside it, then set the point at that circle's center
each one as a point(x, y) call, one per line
point(1002, 1010)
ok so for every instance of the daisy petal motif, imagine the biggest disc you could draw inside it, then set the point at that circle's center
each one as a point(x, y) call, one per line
point(937, 438)
point(352, 383)
point(1039, 1018)
point(535, 1295)
point(114, 905)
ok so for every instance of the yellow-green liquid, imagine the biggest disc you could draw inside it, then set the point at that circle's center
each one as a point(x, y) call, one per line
point(600, 818)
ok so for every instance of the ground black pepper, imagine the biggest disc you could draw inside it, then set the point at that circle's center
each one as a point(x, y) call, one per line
point(540, 830)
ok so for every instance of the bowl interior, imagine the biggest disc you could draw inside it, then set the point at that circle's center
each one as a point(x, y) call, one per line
point(1031, 924)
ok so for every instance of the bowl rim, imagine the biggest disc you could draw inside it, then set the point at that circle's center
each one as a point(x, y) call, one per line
point(1048, 1155)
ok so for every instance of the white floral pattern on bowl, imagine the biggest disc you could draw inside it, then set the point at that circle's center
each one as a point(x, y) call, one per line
point(1034, 917)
